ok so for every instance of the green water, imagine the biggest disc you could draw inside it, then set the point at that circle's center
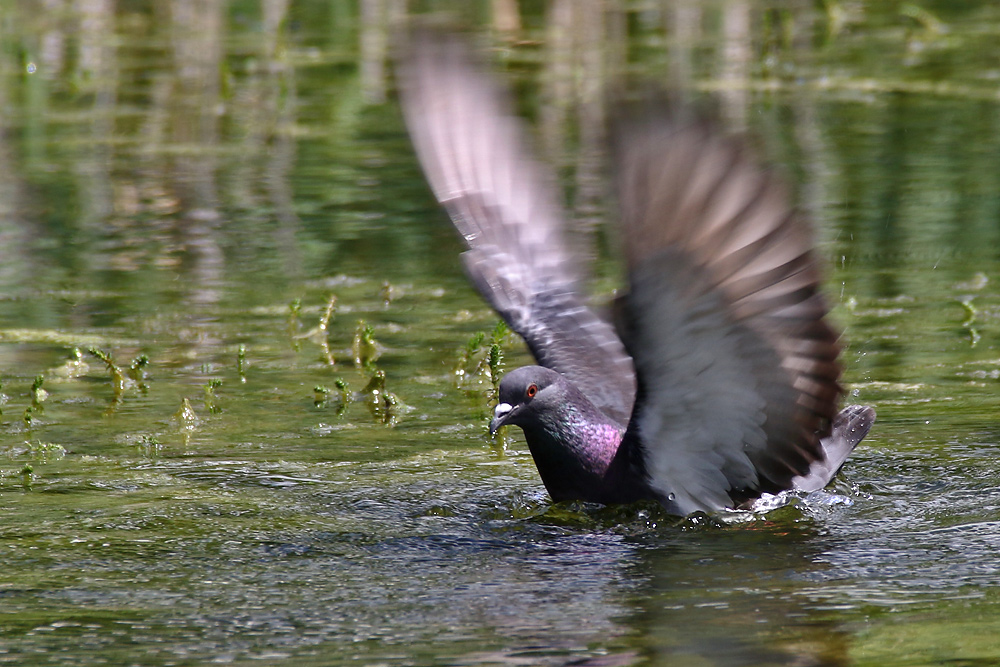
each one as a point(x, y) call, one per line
point(174, 176)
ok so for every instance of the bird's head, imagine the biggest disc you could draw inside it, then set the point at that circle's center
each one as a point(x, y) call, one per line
point(526, 393)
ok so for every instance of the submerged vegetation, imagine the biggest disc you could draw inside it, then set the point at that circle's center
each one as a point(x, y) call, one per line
point(365, 350)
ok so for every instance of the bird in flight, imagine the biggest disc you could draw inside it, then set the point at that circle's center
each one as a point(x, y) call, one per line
point(718, 381)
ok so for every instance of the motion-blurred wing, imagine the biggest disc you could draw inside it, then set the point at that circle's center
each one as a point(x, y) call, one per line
point(737, 369)
point(472, 149)
point(848, 429)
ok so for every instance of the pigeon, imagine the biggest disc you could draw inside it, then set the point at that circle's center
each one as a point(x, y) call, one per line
point(717, 380)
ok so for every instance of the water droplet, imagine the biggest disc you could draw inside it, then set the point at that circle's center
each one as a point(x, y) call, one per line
point(31, 68)
point(671, 496)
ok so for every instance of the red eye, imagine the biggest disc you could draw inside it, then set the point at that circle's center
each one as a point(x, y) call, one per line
point(531, 390)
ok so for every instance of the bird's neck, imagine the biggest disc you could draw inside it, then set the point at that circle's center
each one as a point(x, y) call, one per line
point(576, 451)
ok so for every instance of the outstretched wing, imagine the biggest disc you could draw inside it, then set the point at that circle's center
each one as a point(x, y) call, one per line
point(737, 369)
point(472, 149)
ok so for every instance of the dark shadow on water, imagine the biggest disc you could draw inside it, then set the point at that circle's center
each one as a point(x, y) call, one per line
point(728, 596)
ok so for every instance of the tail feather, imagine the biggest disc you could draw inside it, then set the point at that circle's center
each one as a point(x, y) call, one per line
point(849, 428)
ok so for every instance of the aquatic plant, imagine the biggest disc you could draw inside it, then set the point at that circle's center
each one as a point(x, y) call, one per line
point(45, 451)
point(969, 324)
point(320, 396)
point(341, 385)
point(38, 394)
point(364, 348)
point(210, 398)
point(148, 445)
point(137, 372)
point(384, 405)
point(482, 356)
point(27, 476)
point(323, 327)
point(294, 323)
point(75, 366)
point(387, 293)
point(117, 377)
point(468, 362)
point(241, 363)
point(319, 333)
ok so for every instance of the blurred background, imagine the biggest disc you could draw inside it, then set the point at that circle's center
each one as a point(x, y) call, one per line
point(148, 141)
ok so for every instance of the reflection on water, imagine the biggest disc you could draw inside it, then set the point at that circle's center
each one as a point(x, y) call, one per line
point(194, 180)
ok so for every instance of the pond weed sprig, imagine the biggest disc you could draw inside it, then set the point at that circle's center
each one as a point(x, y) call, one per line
point(385, 406)
point(117, 377)
point(482, 359)
point(364, 348)
point(38, 394)
point(241, 363)
point(211, 400)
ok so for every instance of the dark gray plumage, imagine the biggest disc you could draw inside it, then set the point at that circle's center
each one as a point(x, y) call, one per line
point(724, 351)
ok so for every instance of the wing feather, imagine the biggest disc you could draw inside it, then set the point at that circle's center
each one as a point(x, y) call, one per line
point(737, 368)
point(473, 151)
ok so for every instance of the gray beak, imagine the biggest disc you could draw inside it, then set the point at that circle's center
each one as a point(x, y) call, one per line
point(500, 414)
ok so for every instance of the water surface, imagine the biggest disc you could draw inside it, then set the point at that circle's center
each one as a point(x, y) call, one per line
point(194, 181)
